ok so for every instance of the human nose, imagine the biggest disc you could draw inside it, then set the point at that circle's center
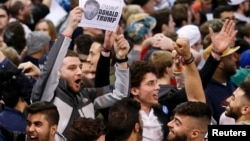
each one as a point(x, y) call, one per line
point(170, 123)
point(79, 71)
point(30, 128)
point(228, 99)
point(89, 58)
point(157, 87)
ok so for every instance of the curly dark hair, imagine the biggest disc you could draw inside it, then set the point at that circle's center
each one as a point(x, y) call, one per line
point(86, 129)
point(138, 69)
point(123, 116)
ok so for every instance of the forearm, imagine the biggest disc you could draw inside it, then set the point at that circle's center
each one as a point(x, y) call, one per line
point(208, 70)
point(102, 71)
point(48, 80)
point(179, 80)
point(193, 85)
point(119, 91)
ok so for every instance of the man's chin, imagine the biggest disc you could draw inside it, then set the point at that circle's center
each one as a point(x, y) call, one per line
point(170, 138)
point(74, 90)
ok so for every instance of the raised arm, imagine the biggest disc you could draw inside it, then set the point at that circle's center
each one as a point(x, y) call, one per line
point(103, 66)
point(46, 84)
point(220, 42)
point(192, 81)
point(109, 95)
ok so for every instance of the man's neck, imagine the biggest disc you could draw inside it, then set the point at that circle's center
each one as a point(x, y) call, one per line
point(165, 80)
point(134, 136)
point(21, 105)
point(220, 76)
point(145, 108)
point(2, 32)
point(243, 120)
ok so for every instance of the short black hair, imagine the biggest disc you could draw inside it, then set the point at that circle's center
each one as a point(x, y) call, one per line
point(83, 43)
point(86, 129)
point(245, 86)
point(47, 108)
point(123, 116)
point(194, 109)
point(162, 17)
point(220, 9)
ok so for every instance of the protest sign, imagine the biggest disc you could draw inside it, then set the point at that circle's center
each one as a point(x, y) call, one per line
point(57, 13)
point(102, 14)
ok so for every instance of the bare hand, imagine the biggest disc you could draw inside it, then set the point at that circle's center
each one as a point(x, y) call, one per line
point(29, 69)
point(176, 60)
point(182, 47)
point(163, 42)
point(225, 37)
point(109, 39)
point(75, 17)
point(121, 47)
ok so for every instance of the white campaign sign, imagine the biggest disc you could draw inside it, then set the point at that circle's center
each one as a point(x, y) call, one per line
point(102, 14)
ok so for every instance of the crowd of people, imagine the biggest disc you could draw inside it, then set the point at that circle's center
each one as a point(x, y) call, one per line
point(171, 69)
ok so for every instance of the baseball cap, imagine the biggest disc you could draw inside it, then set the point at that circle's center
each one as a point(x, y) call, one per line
point(245, 59)
point(227, 52)
point(137, 29)
point(235, 2)
point(191, 32)
point(136, 17)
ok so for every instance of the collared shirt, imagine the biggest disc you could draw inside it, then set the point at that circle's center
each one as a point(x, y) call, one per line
point(152, 128)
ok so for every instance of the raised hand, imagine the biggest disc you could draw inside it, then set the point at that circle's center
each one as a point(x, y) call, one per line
point(75, 17)
point(109, 39)
point(225, 37)
point(176, 61)
point(182, 48)
point(121, 47)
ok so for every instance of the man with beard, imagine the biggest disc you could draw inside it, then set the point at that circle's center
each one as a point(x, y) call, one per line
point(189, 122)
point(238, 106)
point(66, 90)
point(28, 12)
point(220, 86)
point(42, 122)
point(241, 11)
point(145, 90)
point(21, 11)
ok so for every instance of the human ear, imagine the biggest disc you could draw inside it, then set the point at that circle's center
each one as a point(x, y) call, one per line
point(134, 91)
point(137, 127)
point(245, 110)
point(195, 133)
point(53, 129)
